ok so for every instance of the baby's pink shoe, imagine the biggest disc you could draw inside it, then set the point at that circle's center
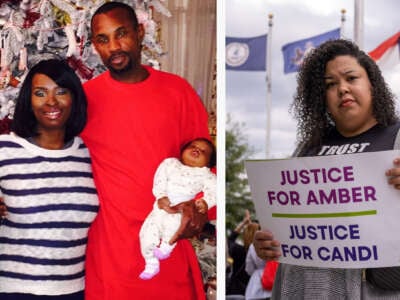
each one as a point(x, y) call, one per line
point(149, 272)
point(160, 254)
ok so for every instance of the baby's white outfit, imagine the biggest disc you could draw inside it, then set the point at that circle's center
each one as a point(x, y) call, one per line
point(179, 183)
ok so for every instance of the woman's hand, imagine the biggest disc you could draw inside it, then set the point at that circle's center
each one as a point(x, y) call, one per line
point(394, 174)
point(265, 245)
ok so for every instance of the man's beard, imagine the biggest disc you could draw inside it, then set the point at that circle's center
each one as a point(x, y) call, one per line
point(125, 69)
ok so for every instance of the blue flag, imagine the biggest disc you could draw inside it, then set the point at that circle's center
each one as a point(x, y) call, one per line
point(293, 53)
point(246, 54)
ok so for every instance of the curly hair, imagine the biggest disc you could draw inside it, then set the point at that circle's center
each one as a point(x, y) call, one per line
point(309, 105)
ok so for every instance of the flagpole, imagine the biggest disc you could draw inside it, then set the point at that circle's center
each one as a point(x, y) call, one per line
point(359, 23)
point(343, 20)
point(269, 81)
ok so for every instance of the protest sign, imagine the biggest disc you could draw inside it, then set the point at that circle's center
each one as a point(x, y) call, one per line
point(330, 211)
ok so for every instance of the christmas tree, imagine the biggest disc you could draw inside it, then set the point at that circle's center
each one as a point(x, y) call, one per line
point(33, 30)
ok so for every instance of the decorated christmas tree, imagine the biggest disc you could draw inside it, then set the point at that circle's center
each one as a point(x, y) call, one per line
point(32, 30)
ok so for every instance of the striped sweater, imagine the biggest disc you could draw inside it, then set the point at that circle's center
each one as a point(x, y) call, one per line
point(51, 201)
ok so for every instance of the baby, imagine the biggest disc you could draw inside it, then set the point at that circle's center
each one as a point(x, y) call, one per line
point(175, 181)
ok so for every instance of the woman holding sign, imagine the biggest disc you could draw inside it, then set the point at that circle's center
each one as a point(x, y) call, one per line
point(343, 106)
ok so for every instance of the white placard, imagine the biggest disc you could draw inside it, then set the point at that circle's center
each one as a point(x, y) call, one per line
point(330, 211)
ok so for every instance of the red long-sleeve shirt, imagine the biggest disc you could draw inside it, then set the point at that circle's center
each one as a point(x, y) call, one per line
point(131, 128)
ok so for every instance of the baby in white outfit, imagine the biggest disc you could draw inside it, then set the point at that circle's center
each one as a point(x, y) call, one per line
point(176, 181)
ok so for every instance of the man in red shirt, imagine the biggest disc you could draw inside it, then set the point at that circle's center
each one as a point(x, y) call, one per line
point(137, 116)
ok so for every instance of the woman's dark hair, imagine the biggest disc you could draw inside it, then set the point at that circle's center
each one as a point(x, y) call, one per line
point(213, 155)
point(108, 6)
point(24, 121)
point(309, 106)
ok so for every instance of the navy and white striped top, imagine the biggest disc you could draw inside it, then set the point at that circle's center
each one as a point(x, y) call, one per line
point(51, 201)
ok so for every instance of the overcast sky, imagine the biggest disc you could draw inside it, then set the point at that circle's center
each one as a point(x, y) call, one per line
point(293, 20)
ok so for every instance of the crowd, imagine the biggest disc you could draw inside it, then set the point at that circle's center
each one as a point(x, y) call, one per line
point(248, 276)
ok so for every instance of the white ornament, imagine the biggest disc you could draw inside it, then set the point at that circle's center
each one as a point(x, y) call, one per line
point(72, 47)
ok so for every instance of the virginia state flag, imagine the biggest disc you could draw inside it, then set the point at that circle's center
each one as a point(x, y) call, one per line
point(246, 54)
point(293, 53)
point(387, 54)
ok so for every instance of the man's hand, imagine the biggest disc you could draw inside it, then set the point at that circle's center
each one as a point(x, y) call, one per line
point(201, 205)
point(192, 221)
point(3, 208)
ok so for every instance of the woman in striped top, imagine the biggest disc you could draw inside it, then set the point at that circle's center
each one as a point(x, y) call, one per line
point(47, 185)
